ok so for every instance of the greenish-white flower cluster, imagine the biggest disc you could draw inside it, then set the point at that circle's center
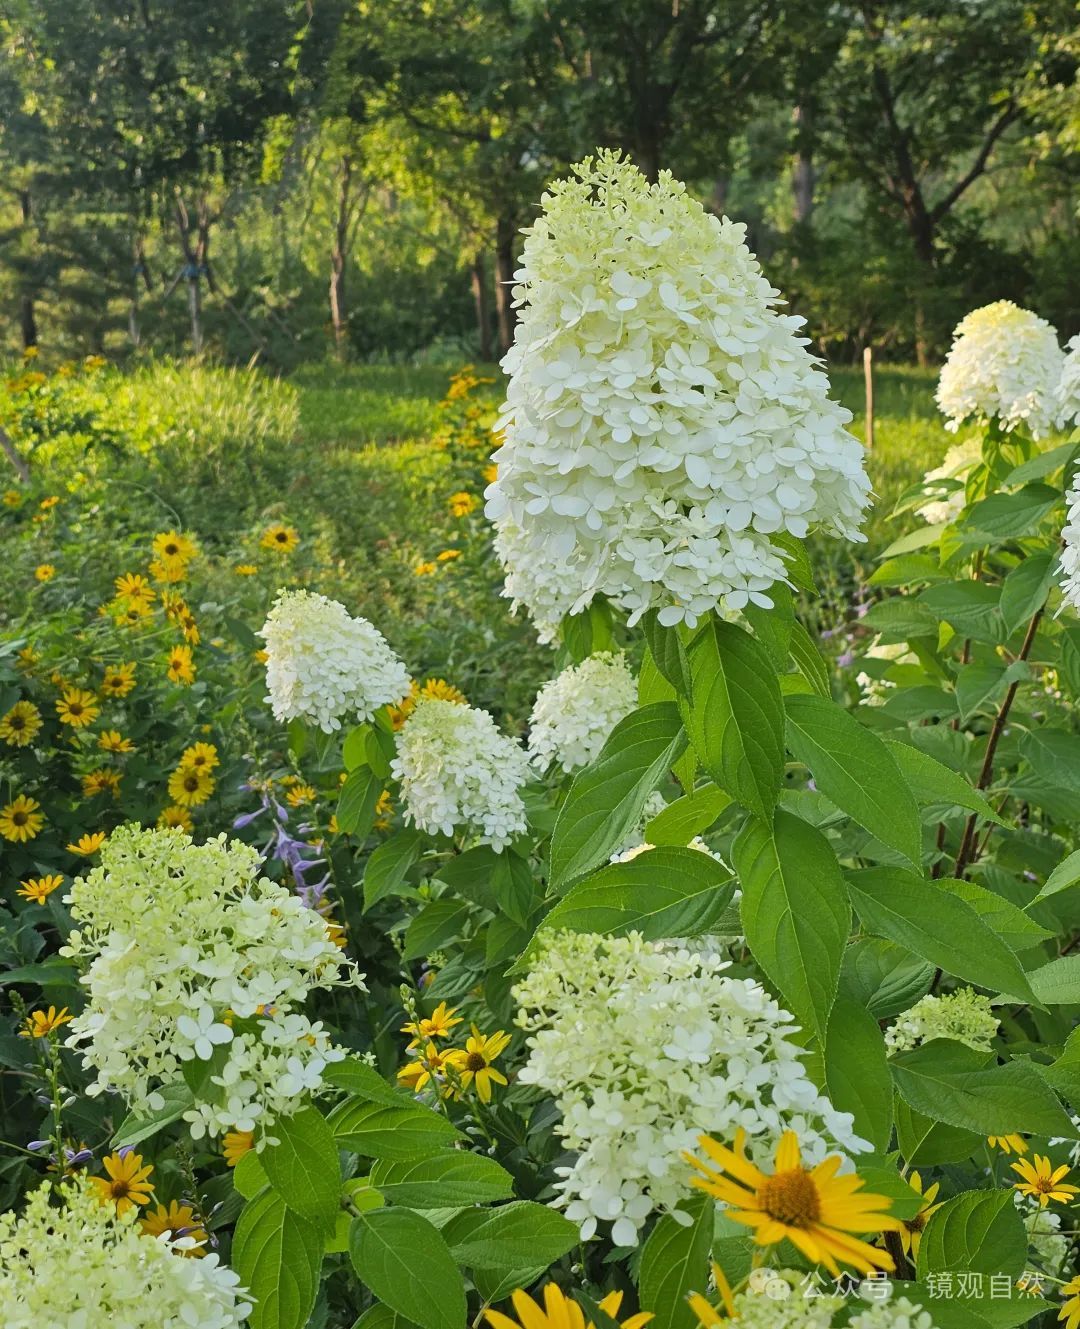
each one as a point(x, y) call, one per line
point(191, 957)
point(323, 665)
point(646, 1045)
point(965, 1016)
point(574, 713)
point(69, 1262)
point(1004, 364)
point(1069, 567)
point(459, 772)
point(789, 1299)
point(663, 420)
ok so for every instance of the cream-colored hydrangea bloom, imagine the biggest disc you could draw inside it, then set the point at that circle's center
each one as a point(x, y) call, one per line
point(1004, 364)
point(1069, 566)
point(959, 461)
point(76, 1264)
point(459, 772)
point(574, 713)
point(325, 666)
point(190, 956)
point(646, 1045)
point(663, 421)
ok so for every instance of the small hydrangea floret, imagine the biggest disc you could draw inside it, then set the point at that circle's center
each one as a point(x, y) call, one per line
point(574, 713)
point(965, 1016)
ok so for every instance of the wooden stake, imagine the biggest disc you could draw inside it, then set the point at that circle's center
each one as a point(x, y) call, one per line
point(868, 375)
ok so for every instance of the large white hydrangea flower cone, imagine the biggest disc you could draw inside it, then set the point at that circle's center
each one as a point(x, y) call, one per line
point(574, 713)
point(459, 772)
point(1005, 364)
point(663, 420)
point(323, 665)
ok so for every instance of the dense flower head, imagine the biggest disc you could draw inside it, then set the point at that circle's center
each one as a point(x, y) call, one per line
point(1067, 393)
point(1004, 365)
point(663, 420)
point(959, 461)
point(792, 1299)
point(645, 1046)
point(70, 1260)
point(188, 955)
point(323, 665)
point(1069, 566)
point(459, 772)
point(574, 713)
point(965, 1016)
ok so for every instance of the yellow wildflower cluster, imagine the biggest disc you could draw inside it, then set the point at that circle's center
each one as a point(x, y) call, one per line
point(431, 687)
point(451, 1071)
point(190, 784)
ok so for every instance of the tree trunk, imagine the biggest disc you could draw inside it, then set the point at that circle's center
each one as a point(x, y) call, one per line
point(339, 253)
point(27, 312)
point(718, 195)
point(504, 281)
point(191, 274)
point(483, 305)
point(802, 174)
point(140, 281)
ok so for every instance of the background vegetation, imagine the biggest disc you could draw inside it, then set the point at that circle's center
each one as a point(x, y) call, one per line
point(272, 180)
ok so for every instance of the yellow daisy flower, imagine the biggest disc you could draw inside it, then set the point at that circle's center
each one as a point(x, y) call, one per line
point(11, 498)
point(448, 555)
point(282, 539)
point(88, 845)
point(436, 1025)
point(19, 726)
point(559, 1312)
point(126, 1184)
point(168, 570)
point(190, 628)
point(706, 1312)
point(135, 589)
point(815, 1210)
point(175, 816)
point(38, 889)
point(111, 740)
point(911, 1229)
point(236, 1144)
point(45, 572)
point(189, 786)
point(27, 659)
point(1070, 1311)
point(199, 756)
point(39, 1024)
point(246, 569)
point(1044, 1182)
point(77, 707)
point(1008, 1144)
point(119, 680)
point(490, 473)
point(20, 820)
point(47, 504)
point(181, 667)
point(300, 794)
point(424, 569)
point(178, 1220)
point(101, 781)
point(473, 1062)
point(416, 1074)
point(431, 687)
point(462, 503)
point(173, 545)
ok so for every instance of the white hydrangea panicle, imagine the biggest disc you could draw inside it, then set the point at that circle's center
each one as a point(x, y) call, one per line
point(189, 955)
point(1069, 565)
point(1067, 395)
point(78, 1264)
point(459, 772)
point(574, 713)
point(965, 1016)
point(959, 462)
point(325, 666)
point(1005, 365)
point(644, 1046)
point(663, 420)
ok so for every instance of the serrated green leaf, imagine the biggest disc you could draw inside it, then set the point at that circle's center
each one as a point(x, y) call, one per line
point(1005, 516)
point(445, 1180)
point(394, 1131)
point(971, 607)
point(854, 768)
point(1025, 589)
point(1066, 874)
point(933, 783)
point(795, 912)
point(389, 865)
point(277, 1256)
point(513, 1236)
point(979, 687)
point(404, 1259)
point(439, 922)
point(686, 817)
point(857, 1070)
point(884, 977)
point(356, 803)
point(980, 1231)
point(675, 1262)
point(303, 1166)
point(938, 926)
point(1057, 983)
point(735, 718)
point(135, 1127)
point(606, 797)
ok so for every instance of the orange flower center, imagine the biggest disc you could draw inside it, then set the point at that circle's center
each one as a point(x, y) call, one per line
point(791, 1198)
